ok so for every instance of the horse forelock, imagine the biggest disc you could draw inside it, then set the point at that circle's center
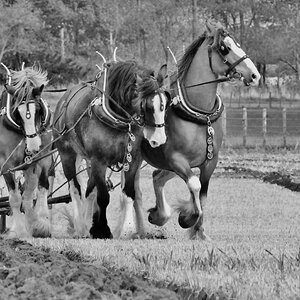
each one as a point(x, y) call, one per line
point(123, 88)
point(24, 81)
point(148, 87)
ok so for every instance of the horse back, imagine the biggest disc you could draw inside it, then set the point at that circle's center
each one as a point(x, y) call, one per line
point(72, 105)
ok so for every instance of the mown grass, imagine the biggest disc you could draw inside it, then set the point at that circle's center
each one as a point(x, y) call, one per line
point(236, 272)
point(254, 252)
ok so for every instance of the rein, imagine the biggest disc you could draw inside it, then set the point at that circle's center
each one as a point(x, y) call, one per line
point(208, 82)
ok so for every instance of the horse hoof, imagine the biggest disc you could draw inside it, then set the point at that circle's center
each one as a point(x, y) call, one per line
point(150, 219)
point(187, 222)
point(105, 234)
point(157, 219)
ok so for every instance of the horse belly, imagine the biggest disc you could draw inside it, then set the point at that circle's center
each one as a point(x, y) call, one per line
point(107, 144)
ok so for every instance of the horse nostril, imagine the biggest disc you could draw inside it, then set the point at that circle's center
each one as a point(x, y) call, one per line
point(253, 76)
point(154, 144)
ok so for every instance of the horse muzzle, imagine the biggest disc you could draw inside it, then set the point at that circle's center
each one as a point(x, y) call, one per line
point(155, 136)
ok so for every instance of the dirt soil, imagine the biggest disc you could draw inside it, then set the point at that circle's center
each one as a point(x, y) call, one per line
point(27, 272)
point(273, 177)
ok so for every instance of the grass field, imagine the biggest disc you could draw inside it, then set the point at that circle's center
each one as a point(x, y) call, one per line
point(254, 252)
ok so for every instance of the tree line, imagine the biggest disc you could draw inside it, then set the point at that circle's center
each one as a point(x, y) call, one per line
point(62, 36)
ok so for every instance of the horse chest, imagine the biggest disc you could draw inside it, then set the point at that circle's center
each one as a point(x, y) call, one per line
point(109, 146)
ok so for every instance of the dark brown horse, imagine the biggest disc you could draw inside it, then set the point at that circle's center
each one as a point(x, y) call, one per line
point(24, 123)
point(102, 125)
point(193, 126)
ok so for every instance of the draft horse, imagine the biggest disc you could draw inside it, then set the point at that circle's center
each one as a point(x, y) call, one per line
point(193, 125)
point(24, 131)
point(103, 124)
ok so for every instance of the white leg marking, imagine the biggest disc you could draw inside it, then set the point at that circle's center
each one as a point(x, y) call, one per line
point(126, 226)
point(138, 207)
point(42, 203)
point(18, 227)
point(164, 210)
point(42, 226)
point(162, 204)
point(194, 186)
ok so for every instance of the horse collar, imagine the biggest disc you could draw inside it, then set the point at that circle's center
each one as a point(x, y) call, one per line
point(185, 110)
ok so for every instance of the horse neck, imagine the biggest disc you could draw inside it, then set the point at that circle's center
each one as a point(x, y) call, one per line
point(203, 96)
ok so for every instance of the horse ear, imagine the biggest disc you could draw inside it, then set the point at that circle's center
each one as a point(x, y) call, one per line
point(210, 26)
point(139, 79)
point(162, 74)
point(163, 71)
point(37, 91)
point(10, 89)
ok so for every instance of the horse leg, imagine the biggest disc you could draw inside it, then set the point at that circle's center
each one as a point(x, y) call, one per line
point(77, 188)
point(206, 171)
point(131, 198)
point(138, 206)
point(51, 177)
point(189, 212)
point(90, 199)
point(18, 228)
point(161, 213)
point(86, 201)
point(31, 178)
point(42, 228)
point(100, 227)
point(71, 165)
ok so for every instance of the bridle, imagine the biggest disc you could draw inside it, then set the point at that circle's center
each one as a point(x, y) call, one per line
point(147, 122)
point(44, 117)
point(222, 50)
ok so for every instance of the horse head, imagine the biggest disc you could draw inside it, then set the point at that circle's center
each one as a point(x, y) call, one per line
point(154, 100)
point(226, 57)
point(30, 111)
point(138, 91)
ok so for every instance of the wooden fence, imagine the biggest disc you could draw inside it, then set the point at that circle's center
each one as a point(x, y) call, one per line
point(261, 126)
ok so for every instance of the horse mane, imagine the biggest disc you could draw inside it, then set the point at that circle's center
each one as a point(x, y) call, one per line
point(122, 84)
point(24, 81)
point(189, 55)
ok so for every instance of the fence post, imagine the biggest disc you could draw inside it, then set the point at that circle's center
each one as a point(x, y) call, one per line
point(224, 126)
point(2, 217)
point(245, 126)
point(284, 126)
point(2, 223)
point(264, 126)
